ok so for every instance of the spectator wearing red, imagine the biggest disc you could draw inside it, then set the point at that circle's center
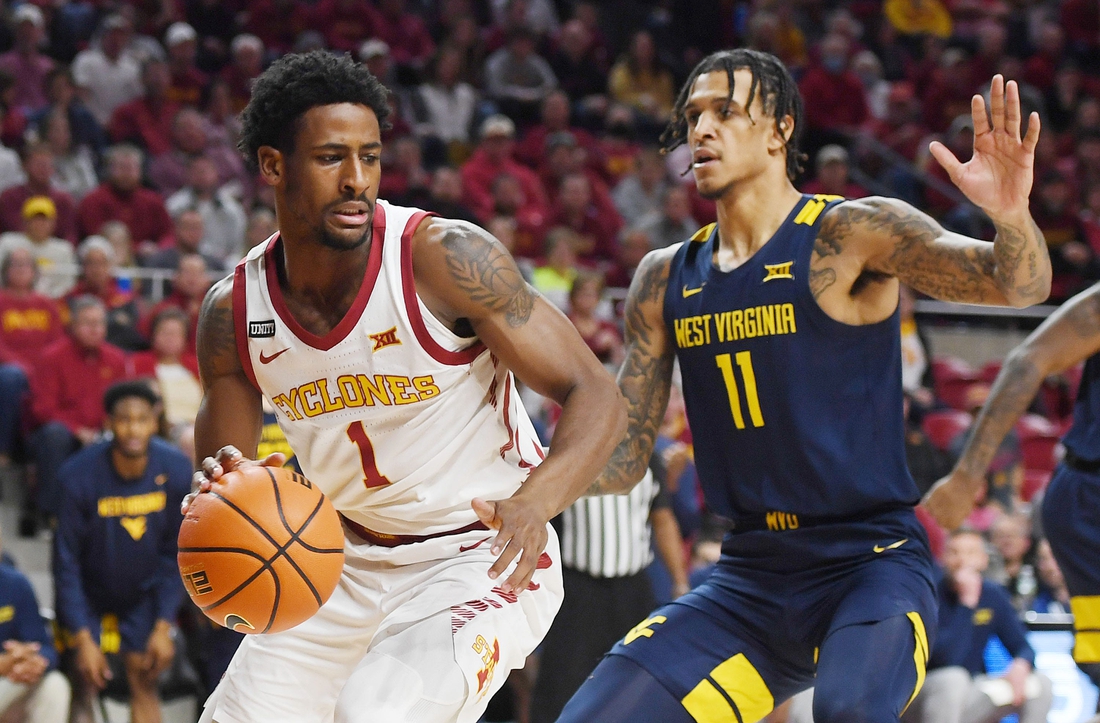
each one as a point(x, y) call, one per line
point(187, 82)
point(99, 279)
point(597, 233)
point(189, 286)
point(1041, 67)
point(121, 198)
point(492, 158)
point(564, 157)
point(345, 23)
point(147, 120)
point(29, 323)
point(618, 145)
point(529, 223)
point(277, 23)
point(633, 246)
point(67, 394)
point(26, 64)
point(1072, 260)
point(168, 172)
point(554, 118)
point(832, 166)
point(55, 258)
point(407, 35)
point(245, 66)
point(375, 54)
point(900, 130)
point(602, 336)
point(987, 60)
point(445, 195)
point(38, 166)
point(832, 94)
point(947, 94)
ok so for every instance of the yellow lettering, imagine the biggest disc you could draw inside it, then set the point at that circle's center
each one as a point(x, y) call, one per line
point(330, 405)
point(373, 390)
point(349, 391)
point(283, 403)
point(706, 327)
point(7, 613)
point(399, 387)
point(681, 332)
point(766, 315)
point(737, 325)
point(750, 322)
point(772, 518)
point(132, 506)
point(788, 318)
point(643, 629)
point(426, 386)
point(312, 407)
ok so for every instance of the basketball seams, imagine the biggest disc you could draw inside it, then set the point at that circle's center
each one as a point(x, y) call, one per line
point(294, 536)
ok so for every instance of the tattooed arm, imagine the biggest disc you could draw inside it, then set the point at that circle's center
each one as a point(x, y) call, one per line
point(645, 376)
point(466, 277)
point(889, 237)
point(1069, 336)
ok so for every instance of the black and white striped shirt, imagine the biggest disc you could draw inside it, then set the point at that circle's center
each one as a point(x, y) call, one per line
point(608, 536)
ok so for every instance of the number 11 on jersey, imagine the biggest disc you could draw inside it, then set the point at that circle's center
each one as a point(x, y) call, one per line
point(371, 476)
point(744, 363)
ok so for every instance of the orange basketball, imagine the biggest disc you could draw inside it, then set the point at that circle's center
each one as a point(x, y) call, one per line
point(262, 551)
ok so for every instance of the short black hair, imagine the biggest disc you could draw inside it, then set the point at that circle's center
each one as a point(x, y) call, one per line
point(778, 94)
point(297, 82)
point(128, 390)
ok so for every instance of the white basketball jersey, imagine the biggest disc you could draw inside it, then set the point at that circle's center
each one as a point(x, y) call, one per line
point(397, 419)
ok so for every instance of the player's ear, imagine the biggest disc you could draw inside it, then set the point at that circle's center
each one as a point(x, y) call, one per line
point(784, 130)
point(272, 164)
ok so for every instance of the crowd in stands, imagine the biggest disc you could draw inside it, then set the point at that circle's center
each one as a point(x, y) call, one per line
point(123, 196)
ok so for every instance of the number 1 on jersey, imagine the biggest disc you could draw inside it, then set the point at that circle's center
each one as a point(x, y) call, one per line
point(371, 476)
point(744, 363)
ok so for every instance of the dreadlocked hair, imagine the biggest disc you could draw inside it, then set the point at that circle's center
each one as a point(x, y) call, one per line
point(778, 94)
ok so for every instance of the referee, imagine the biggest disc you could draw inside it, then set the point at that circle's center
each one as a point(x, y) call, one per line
point(605, 550)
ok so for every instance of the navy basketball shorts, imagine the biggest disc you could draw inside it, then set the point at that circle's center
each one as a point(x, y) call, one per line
point(125, 631)
point(750, 637)
point(1071, 522)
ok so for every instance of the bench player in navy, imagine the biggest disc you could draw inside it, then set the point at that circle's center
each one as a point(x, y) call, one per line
point(784, 319)
point(1072, 499)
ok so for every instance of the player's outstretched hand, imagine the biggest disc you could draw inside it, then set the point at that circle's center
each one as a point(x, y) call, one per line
point(998, 177)
point(226, 459)
point(951, 500)
point(521, 528)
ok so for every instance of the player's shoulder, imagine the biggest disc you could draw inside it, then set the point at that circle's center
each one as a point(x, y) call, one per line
point(438, 233)
point(870, 211)
point(655, 266)
point(217, 333)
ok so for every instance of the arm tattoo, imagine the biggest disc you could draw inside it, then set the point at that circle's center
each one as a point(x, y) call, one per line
point(644, 380)
point(217, 340)
point(484, 270)
point(1010, 248)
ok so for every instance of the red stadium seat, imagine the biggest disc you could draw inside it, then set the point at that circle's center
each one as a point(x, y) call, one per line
point(1035, 481)
point(1039, 441)
point(944, 425)
point(952, 378)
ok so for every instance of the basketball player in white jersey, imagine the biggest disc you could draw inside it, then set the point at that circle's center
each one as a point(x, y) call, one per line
point(387, 341)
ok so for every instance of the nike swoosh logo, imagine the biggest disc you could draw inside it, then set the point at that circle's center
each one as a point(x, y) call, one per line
point(264, 359)
point(692, 292)
point(896, 545)
point(232, 621)
point(479, 543)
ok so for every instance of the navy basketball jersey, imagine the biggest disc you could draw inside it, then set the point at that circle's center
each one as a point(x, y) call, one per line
point(792, 412)
point(1083, 438)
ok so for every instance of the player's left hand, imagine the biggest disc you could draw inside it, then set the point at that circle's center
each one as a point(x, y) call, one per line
point(951, 500)
point(160, 649)
point(521, 528)
point(998, 177)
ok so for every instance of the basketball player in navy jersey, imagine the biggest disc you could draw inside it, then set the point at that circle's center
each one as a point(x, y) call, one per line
point(1072, 499)
point(784, 319)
